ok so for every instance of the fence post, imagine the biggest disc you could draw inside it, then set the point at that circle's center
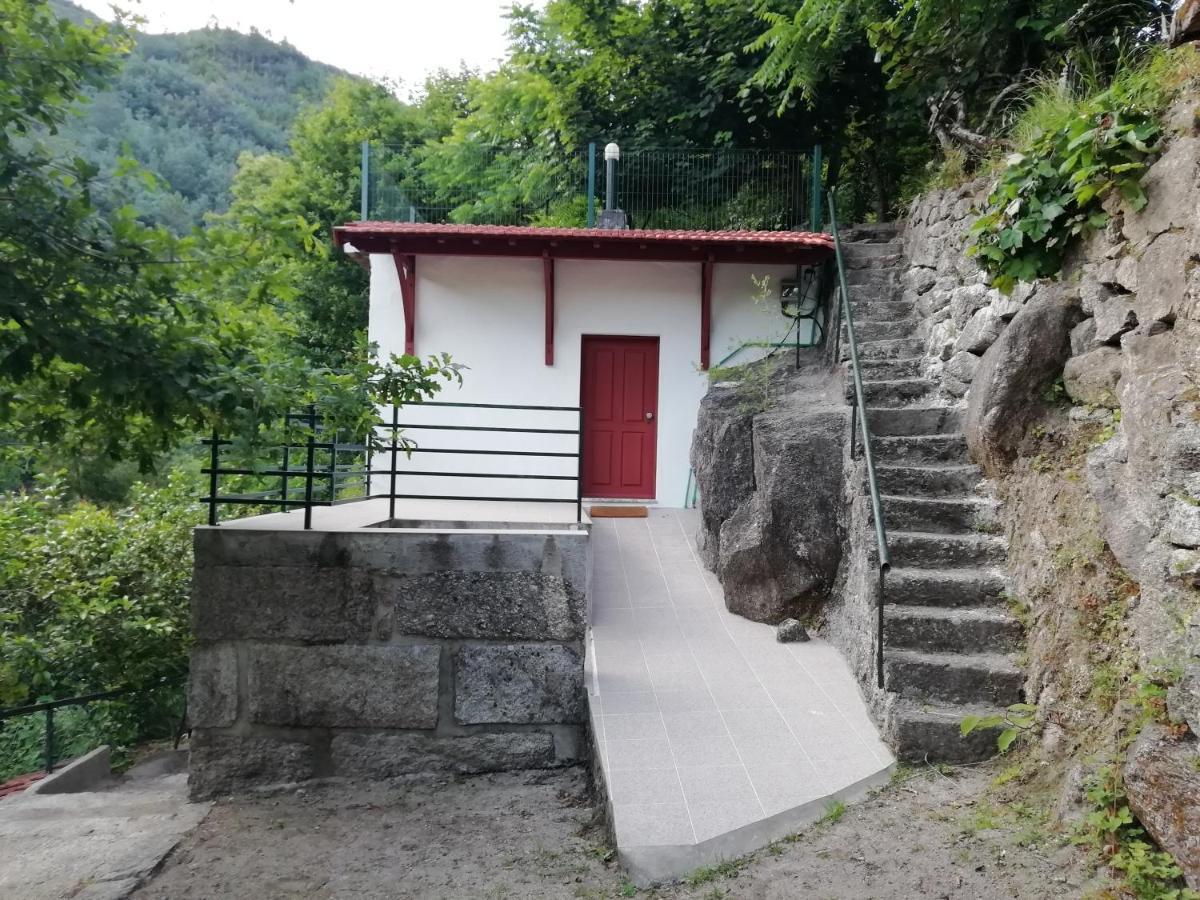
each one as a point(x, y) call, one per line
point(817, 163)
point(365, 171)
point(591, 186)
point(308, 469)
point(49, 740)
point(392, 457)
point(579, 474)
point(214, 459)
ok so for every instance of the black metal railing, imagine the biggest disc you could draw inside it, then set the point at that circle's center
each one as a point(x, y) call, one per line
point(322, 475)
point(858, 422)
point(50, 707)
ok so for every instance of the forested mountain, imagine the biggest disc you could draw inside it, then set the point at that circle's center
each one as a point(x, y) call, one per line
point(186, 105)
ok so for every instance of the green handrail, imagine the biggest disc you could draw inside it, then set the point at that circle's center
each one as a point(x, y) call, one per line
point(860, 412)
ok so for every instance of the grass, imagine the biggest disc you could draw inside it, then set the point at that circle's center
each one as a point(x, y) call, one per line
point(834, 811)
point(1149, 81)
point(707, 874)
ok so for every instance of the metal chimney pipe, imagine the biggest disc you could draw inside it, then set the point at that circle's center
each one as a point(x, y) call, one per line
point(612, 153)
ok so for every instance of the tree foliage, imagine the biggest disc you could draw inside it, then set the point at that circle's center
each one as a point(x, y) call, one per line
point(120, 338)
point(961, 63)
point(186, 106)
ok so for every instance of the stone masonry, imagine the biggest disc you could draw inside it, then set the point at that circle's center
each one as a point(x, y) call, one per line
point(379, 653)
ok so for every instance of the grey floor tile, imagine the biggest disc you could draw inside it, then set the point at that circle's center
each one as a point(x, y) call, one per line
point(714, 751)
point(652, 824)
point(623, 679)
point(712, 819)
point(639, 755)
point(756, 723)
point(672, 680)
point(776, 751)
point(713, 784)
point(692, 599)
point(737, 695)
point(685, 727)
point(634, 727)
point(622, 704)
point(643, 786)
point(691, 700)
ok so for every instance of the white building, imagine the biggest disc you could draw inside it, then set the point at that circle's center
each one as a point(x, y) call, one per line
point(621, 324)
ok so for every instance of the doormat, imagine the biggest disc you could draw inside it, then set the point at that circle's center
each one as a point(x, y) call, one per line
point(618, 512)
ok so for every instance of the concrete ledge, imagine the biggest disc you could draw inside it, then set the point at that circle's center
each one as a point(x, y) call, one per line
point(653, 864)
point(79, 775)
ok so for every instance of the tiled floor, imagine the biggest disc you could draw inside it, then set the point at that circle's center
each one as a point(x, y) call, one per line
point(713, 737)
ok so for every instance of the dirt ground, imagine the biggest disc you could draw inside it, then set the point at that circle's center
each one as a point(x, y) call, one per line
point(538, 835)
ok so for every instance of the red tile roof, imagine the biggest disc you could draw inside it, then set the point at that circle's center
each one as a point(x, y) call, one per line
point(593, 243)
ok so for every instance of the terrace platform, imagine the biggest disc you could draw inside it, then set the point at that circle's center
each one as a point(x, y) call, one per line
point(442, 515)
point(713, 739)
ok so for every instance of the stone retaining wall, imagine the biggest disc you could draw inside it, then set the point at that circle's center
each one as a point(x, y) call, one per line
point(379, 653)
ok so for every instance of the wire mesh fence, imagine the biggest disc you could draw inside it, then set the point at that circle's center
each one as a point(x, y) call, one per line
point(717, 189)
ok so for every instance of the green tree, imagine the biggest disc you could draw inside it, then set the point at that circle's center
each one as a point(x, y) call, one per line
point(119, 339)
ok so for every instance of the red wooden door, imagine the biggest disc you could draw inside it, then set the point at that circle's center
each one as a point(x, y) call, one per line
point(620, 416)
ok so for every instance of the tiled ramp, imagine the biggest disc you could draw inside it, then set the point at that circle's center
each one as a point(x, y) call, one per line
point(714, 739)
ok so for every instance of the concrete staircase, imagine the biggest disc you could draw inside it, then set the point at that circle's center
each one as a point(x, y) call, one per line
point(949, 640)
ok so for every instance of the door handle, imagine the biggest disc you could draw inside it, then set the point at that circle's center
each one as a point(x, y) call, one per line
point(649, 417)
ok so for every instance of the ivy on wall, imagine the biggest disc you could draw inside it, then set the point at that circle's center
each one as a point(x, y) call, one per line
point(1056, 189)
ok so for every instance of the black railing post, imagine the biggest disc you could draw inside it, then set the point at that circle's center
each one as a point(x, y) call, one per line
point(49, 740)
point(879, 630)
point(308, 469)
point(392, 468)
point(213, 463)
point(333, 451)
point(579, 475)
point(853, 429)
point(287, 457)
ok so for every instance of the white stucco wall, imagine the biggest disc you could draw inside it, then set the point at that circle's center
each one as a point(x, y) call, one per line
point(489, 315)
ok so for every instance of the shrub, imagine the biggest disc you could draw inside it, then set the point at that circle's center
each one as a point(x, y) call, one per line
point(92, 599)
point(1075, 147)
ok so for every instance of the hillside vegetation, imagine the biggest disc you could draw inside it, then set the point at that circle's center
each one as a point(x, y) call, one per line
point(185, 106)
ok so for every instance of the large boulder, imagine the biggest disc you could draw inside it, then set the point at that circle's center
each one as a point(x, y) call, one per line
point(1091, 379)
point(1013, 374)
point(1162, 780)
point(770, 485)
point(1187, 23)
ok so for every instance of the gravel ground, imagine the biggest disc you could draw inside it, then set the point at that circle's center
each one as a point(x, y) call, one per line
point(537, 835)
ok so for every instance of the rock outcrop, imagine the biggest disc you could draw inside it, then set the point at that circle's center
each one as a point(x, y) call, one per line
point(1013, 374)
point(1122, 328)
point(1162, 780)
point(771, 480)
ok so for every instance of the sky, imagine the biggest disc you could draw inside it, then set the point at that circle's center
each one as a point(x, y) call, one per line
point(391, 40)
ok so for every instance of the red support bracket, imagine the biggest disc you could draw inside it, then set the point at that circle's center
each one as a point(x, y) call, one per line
point(548, 278)
point(706, 282)
point(406, 268)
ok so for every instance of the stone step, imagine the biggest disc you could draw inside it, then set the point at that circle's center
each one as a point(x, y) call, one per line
point(946, 480)
point(879, 350)
point(887, 369)
point(872, 232)
point(950, 516)
point(913, 420)
point(872, 249)
point(945, 587)
point(866, 332)
point(873, 283)
point(929, 550)
point(898, 392)
point(990, 679)
point(941, 629)
point(855, 259)
point(921, 449)
point(924, 732)
point(881, 310)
